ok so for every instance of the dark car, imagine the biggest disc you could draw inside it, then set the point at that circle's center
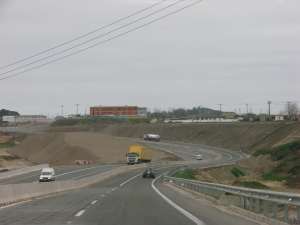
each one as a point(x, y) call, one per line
point(149, 172)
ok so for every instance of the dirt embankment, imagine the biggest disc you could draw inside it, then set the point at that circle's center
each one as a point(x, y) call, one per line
point(60, 148)
point(64, 145)
point(235, 136)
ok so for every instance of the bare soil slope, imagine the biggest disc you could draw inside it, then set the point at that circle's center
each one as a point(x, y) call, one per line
point(235, 136)
point(61, 148)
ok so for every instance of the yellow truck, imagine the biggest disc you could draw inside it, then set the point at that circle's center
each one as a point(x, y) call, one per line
point(139, 154)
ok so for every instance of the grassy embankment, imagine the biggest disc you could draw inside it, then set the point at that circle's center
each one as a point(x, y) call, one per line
point(288, 158)
point(288, 168)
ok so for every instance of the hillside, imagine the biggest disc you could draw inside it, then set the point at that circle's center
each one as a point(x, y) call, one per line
point(235, 136)
point(61, 148)
point(59, 145)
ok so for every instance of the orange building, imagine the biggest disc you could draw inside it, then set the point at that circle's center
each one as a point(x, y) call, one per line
point(114, 111)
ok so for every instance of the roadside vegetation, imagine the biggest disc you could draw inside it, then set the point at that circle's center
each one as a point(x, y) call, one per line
point(186, 174)
point(288, 158)
point(236, 172)
point(8, 144)
point(251, 184)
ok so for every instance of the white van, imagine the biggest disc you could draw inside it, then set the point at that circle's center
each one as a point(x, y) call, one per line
point(199, 157)
point(47, 174)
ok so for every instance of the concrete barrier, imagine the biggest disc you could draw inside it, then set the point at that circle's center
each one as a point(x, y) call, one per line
point(22, 171)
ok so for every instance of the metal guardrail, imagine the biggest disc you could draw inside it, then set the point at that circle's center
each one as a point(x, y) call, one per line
point(249, 199)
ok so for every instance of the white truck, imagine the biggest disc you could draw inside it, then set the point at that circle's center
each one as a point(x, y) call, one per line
point(151, 137)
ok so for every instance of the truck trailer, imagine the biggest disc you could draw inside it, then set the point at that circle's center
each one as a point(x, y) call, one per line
point(151, 137)
point(139, 154)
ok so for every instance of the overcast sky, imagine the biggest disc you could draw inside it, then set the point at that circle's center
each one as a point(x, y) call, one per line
point(214, 52)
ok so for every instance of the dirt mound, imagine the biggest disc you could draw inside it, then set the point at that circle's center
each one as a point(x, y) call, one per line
point(60, 148)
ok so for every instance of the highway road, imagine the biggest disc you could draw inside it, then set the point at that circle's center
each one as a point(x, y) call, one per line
point(63, 173)
point(127, 198)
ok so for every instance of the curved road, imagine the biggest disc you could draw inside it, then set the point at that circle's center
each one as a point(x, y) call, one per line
point(130, 199)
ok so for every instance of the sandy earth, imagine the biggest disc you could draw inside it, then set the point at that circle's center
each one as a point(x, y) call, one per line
point(63, 145)
point(61, 148)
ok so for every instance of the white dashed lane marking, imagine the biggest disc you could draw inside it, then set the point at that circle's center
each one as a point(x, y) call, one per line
point(80, 213)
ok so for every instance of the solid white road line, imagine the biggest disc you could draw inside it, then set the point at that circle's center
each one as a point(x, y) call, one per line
point(187, 214)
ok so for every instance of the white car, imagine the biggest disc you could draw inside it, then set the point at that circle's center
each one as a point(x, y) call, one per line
point(199, 157)
point(47, 174)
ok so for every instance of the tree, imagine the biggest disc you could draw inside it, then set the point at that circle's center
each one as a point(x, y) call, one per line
point(181, 113)
point(157, 113)
point(292, 109)
point(4, 112)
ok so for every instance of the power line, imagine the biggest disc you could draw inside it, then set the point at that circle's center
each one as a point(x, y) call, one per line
point(89, 40)
point(83, 35)
point(103, 41)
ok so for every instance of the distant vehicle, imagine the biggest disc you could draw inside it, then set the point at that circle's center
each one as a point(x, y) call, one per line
point(47, 174)
point(151, 137)
point(199, 157)
point(149, 172)
point(139, 154)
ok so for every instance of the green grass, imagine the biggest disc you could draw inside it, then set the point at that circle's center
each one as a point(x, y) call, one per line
point(186, 174)
point(276, 177)
point(288, 159)
point(3, 170)
point(236, 172)
point(253, 184)
point(281, 151)
point(7, 145)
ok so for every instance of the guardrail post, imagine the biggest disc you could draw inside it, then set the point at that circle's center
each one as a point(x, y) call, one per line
point(257, 205)
point(240, 201)
point(266, 210)
point(275, 209)
point(286, 213)
point(298, 213)
point(251, 204)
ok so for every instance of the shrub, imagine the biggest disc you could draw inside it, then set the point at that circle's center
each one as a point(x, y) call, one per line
point(275, 177)
point(253, 184)
point(236, 172)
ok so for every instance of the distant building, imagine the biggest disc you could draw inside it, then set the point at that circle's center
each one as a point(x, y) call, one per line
point(229, 115)
point(279, 118)
point(128, 111)
point(31, 118)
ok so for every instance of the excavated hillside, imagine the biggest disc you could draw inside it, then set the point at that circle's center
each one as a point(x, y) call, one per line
point(60, 145)
point(235, 136)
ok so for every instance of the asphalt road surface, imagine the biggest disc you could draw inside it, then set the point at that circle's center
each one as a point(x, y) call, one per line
point(62, 174)
point(127, 198)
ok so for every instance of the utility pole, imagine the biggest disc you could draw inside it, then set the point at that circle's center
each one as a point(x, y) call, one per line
point(247, 109)
point(62, 110)
point(289, 109)
point(269, 102)
point(77, 109)
point(220, 112)
point(200, 113)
